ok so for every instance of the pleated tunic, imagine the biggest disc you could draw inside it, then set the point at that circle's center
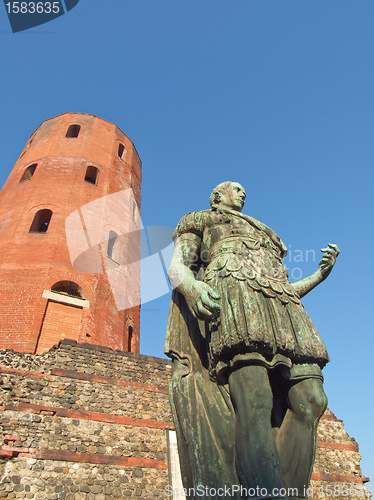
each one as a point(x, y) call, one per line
point(262, 320)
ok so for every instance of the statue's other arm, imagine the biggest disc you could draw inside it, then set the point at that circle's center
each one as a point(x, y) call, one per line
point(328, 260)
point(198, 294)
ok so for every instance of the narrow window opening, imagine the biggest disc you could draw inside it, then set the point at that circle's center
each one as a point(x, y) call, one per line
point(73, 131)
point(121, 150)
point(41, 221)
point(91, 174)
point(29, 172)
point(130, 340)
point(133, 209)
point(27, 147)
point(111, 243)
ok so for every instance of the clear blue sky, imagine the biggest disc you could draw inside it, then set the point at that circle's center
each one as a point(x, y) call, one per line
point(277, 95)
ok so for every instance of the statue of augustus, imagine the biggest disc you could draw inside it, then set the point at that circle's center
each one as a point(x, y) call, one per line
point(246, 389)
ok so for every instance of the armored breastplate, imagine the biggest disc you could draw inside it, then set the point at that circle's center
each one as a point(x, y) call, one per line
point(248, 254)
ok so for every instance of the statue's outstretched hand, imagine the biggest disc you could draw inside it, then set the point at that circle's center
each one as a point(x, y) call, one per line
point(199, 298)
point(329, 258)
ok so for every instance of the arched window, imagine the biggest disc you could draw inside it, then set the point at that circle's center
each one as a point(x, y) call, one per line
point(73, 131)
point(121, 150)
point(91, 174)
point(41, 221)
point(29, 172)
point(111, 244)
point(68, 288)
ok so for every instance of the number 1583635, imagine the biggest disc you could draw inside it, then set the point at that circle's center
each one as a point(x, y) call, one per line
point(33, 7)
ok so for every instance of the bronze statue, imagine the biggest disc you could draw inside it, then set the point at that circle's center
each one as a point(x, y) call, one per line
point(246, 389)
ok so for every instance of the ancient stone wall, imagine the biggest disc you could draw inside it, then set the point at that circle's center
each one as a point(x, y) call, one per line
point(85, 422)
point(337, 472)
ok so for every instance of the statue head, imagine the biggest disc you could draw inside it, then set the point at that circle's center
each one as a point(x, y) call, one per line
point(229, 195)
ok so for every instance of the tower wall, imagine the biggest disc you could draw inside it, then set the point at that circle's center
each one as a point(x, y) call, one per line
point(56, 283)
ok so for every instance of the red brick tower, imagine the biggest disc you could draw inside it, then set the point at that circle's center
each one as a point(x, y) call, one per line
point(70, 238)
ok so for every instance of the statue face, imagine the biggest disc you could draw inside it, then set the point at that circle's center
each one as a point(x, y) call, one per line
point(233, 197)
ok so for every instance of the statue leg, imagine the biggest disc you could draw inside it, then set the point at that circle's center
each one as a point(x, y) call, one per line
point(256, 456)
point(296, 438)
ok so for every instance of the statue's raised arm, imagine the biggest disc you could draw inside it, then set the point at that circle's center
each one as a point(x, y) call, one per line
point(326, 264)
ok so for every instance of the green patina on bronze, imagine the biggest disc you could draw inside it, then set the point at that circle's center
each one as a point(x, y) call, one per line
point(246, 390)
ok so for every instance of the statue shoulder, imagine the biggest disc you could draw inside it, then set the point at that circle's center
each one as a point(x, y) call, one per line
point(193, 222)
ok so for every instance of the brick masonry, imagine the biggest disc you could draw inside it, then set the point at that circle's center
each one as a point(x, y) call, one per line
point(82, 421)
point(32, 262)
